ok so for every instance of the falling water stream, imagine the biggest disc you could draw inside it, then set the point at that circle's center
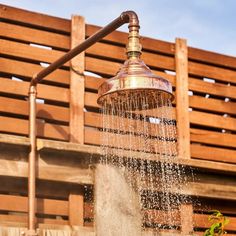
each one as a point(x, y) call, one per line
point(139, 139)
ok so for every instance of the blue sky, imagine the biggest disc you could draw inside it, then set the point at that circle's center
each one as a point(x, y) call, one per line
point(207, 24)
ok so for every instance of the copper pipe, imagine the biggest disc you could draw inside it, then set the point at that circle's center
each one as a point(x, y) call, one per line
point(32, 161)
point(126, 17)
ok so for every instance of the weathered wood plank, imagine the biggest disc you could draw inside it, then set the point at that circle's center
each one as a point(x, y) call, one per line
point(182, 101)
point(213, 153)
point(213, 138)
point(77, 82)
point(33, 18)
point(210, 104)
point(46, 130)
point(25, 69)
point(212, 120)
point(21, 88)
point(44, 111)
point(222, 90)
point(44, 206)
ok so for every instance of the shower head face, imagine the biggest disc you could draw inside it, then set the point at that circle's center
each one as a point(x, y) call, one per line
point(135, 82)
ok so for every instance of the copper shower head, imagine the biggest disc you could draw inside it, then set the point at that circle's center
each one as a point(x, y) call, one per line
point(135, 81)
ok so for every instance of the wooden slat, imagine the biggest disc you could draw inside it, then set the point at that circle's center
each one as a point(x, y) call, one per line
point(44, 206)
point(182, 102)
point(52, 171)
point(101, 67)
point(212, 88)
point(93, 82)
point(130, 125)
point(214, 72)
point(77, 83)
point(21, 88)
point(128, 142)
point(19, 68)
point(23, 219)
point(122, 38)
point(213, 153)
point(213, 138)
point(44, 111)
point(211, 57)
point(119, 53)
point(212, 120)
point(25, 51)
point(32, 18)
point(20, 126)
point(36, 36)
point(201, 221)
point(210, 104)
point(207, 205)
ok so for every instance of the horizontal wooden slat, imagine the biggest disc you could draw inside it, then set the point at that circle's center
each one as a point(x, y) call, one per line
point(32, 18)
point(201, 221)
point(213, 72)
point(211, 57)
point(217, 89)
point(122, 38)
point(44, 111)
point(119, 53)
point(23, 219)
point(213, 153)
point(130, 125)
point(44, 206)
point(213, 138)
point(210, 104)
point(128, 142)
point(25, 69)
point(36, 36)
point(93, 82)
point(25, 51)
point(212, 120)
point(20, 126)
point(101, 67)
point(21, 88)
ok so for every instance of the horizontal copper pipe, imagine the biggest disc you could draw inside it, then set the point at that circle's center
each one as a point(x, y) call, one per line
point(126, 17)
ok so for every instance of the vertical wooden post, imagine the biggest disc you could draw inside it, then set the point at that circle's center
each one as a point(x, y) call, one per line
point(183, 122)
point(77, 84)
point(76, 209)
point(182, 99)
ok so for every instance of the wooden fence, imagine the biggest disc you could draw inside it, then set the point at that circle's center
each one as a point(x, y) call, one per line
point(205, 108)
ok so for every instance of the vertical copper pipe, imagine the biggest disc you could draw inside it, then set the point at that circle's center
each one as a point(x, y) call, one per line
point(32, 161)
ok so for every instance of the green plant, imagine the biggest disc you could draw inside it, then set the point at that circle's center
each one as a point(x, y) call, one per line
point(218, 223)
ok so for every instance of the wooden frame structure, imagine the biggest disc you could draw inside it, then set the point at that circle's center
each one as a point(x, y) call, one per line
point(68, 119)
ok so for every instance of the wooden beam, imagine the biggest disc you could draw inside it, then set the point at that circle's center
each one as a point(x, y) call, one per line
point(182, 100)
point(186, 216)
point(77, 82)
